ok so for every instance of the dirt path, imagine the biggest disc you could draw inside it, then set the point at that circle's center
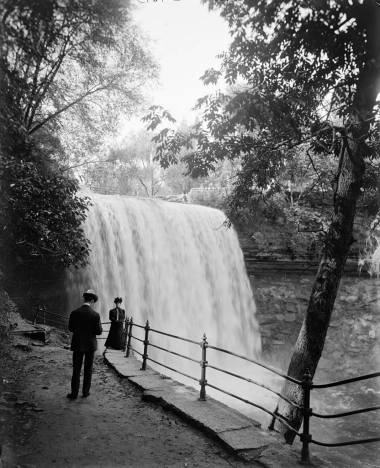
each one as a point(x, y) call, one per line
point(113, 427)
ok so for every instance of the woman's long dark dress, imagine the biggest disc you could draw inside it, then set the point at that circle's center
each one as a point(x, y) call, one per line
point(115, 338)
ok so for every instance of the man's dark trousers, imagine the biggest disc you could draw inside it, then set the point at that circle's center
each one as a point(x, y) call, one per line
point(87, 375)
point(85, 325)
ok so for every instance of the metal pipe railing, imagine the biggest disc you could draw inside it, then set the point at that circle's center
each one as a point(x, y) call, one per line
point(306, 384)
point(203, 381)
point(128, 352)
point(146, 343)
point(255, 383)
point(343, 382)
point(348, 413)
point(305, 438)
point(256, 406)
point(175, 336)
point(126, 334)
point(137, 339)
point(271, 369)
point(43, 314)
point(176, 354)
point(43, 309)
point(343, 444)
point(54, 321)
point(172, 369)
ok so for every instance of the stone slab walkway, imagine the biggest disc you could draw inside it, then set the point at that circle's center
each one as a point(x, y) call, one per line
point(238, 433)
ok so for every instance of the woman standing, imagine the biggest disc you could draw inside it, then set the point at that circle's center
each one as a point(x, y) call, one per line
point(117, 317)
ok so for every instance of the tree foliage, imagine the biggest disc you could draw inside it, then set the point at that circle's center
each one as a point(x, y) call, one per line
point(81, 54)
point(305, 76)
point(131, 169)
point(45, 215)
point(70, 70)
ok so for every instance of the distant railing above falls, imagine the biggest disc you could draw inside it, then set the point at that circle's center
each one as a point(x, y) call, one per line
point(307, 384)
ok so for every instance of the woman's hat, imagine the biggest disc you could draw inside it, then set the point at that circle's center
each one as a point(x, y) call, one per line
point(118, 300)
point(91, 293)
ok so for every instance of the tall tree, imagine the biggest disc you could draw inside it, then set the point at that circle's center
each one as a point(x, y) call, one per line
point(68, 68)
point(73, 53)
point(310, 74)
point(139, 151)
point(129, 168)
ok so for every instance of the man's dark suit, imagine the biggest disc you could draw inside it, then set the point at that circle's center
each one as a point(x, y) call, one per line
point(85, 325)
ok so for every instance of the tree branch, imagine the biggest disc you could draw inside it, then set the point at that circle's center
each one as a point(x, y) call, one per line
point(93, 90)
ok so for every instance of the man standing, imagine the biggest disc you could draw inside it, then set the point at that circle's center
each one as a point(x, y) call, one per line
point(85, 324)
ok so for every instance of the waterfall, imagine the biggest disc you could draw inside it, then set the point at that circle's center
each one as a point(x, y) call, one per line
point(175, 265)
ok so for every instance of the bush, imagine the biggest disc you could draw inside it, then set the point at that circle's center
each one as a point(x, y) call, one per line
point(42, 214)
point(213, 197)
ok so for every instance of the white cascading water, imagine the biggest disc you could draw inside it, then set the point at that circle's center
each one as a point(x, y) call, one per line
point(180, 268)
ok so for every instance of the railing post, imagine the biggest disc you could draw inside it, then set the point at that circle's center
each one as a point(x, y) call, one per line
point(273, 421)
point(203, 363)
point(126, 334)
point(146, 343)
point(307, 385)
point(36, 316)
point(44, 310)
point(129, 337)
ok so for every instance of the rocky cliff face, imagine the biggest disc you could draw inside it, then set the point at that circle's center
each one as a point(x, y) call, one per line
point(353, 341)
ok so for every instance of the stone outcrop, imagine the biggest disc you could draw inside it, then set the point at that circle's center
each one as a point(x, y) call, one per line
point(352, 344)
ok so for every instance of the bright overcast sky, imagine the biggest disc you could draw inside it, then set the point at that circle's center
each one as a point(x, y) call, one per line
point(187, 37)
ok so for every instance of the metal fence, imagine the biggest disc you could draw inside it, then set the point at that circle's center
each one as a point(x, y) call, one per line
point(43, 316)
point(306, 384)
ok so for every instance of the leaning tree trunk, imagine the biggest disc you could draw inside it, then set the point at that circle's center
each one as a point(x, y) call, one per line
point(311, 339)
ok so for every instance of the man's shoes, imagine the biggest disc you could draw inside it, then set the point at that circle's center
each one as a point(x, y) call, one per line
point(71, 396)
point(85, 395)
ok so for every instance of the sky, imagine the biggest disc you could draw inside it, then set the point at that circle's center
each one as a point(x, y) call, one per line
point(187, 38)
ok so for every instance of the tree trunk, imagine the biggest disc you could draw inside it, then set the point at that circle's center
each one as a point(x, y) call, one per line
point(311, 339)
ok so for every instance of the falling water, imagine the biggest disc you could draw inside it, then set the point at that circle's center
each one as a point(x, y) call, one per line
point(175, 265)
point(180, 268)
